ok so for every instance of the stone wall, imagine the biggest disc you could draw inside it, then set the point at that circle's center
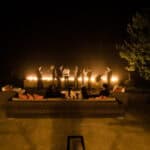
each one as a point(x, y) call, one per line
point(4, 96)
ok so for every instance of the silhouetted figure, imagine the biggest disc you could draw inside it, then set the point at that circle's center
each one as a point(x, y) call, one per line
point(66, 74)
point(50, 91)
point(53, 71)
point(89, 75)
point(69, 91)
point(109, 76)
point(84, 92)
point(105, 90)
point(39, 76)
point(83, 74)
point(76, 75)
point(59, 74)
point(98, 78)
point(53, 92)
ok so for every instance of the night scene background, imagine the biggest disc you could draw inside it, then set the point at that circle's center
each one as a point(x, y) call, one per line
point(69, 36)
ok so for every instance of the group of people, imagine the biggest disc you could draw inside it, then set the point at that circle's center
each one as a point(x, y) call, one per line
point(105, 91)
point(57, 72)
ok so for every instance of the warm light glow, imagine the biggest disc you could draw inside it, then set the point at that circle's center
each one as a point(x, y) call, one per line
point(71, 78)
point(47, 78)
point(103, 78)
point(114, 79)
point(86, 79)
point(32, 78)
point(80, 79)
point(62, 79)
point(92, 79)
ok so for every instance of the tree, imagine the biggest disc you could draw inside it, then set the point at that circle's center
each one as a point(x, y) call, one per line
point(136, 49)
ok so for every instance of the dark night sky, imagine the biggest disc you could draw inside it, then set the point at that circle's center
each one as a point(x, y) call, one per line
point(62, 36)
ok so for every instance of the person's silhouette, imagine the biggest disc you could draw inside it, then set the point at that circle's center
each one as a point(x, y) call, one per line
point(105, 90)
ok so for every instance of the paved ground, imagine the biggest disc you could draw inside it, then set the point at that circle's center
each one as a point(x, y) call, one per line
point(129, 133)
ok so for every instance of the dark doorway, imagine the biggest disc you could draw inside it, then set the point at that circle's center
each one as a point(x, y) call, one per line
point(75, 143)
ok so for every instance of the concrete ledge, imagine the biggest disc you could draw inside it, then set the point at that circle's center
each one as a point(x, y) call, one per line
point(135, 98)
point(4, 97)
point(64, 108)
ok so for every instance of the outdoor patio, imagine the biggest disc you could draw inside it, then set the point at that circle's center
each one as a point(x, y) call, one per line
point(117, 133)
point(131, 132)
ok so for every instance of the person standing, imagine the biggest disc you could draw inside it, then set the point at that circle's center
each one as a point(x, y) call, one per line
point(66, 74)
point(59, 71)
point(39, 76)
point(76, 75)
point(109, 76)
point(53, 73)
point(89, 75)
point(83, 74)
